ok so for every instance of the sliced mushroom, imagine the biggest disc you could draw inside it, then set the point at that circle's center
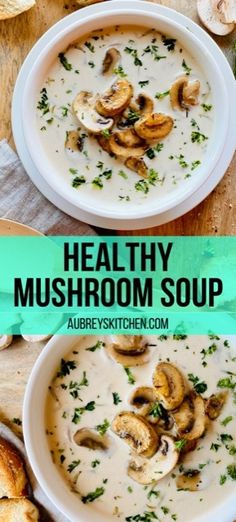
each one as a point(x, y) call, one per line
point(169, 385)
point(73, 142)
point(215, 404)
point(104, 143)
point(189, 446)
point(143, 104)
point(116, 99)
point(131, 344)
point(184, 93)
point(143, 399)
point(199, 424)
point(227, 10)
point(210, 16)
point(36, 338)
point(184, 417)
point(128, 360)
point(150, 471)
point(137, 432)
point(189, 481)
point(153, 127)
point(112, 57)
point(84, 109)
point(90, 439)
point(5, 341)
point(127, 144)
point(137, 165)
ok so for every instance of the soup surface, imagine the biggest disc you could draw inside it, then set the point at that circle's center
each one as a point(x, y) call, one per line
point(148, 65)
point(89, 391)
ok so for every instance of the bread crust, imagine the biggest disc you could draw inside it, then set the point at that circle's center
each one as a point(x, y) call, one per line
point(13, 480)
point(18, 510)
point(11, 8)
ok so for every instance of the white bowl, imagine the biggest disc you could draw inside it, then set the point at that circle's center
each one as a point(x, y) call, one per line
point(38, 449)
point(119, 14)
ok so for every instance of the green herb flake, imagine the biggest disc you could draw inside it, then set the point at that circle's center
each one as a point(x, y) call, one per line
point(231, 470)
point(95, 463)
point(227, 420)
point(143, 83)
point(142, 186)
point(199, 386)
point(106, 133)
point(97, 182)
point(102, 428)
point(206, 108)
point(97, 346)
point(226, 383)
point(43, 104)
point(17, 421)
point(214, 447)
point(223, 479)
point(73, 465)
point(131, 378)
point(73, 171)
point(64, 62)
point(169, 43)
point(134, 54)
point(119, 71)
point(147, 516)
point(186, 68)
point(161, 95)
point(93, 495)
point(195, 164)
point(91, 64)
point(198, 137)
point(180, 444)
point(153, 50)
point(66, 367)
point(116, 398)
point(123, 174)
point(90, 47)
point(165, 510)
point(78, 181)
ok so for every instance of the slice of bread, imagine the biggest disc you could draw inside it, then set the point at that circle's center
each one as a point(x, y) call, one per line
point(18, 510)
point(13, 481)
point(10, 8)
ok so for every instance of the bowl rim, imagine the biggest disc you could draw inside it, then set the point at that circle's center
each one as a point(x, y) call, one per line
point(32, 400)
point(178, 196)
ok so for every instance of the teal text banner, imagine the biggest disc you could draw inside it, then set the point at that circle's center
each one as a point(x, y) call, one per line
point(117, 284)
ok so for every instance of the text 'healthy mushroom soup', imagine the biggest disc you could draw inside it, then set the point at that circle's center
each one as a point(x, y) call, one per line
point(125, 114)
point(143, 428)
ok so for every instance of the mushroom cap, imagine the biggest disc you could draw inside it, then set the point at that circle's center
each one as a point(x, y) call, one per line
point(142, 104)
point(154, 126)
point(128, 360)
point(137, 165)
point(189, 481)
point(199, 424)
point(36, 338)
point(169, 385)
point(115, 99)
point(112, 57)
point(184, 93)
point(184, 417)
point(214, 405)
point(227, 10)
point(210, 16)
point(127, 143)
point(5, 341)
point(127, 344)
point(161, 464)
point(137, 432)
point(90, 439)
point(84, 109)
point(73, 143)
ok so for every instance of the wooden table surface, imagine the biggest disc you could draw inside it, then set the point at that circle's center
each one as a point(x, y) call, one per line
point(216, 215)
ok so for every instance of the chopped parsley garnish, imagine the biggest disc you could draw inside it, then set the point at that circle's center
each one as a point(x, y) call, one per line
point(43, 104)
point(198, 137)
point(180, 444)
point(73, 465)
point(93, 495)
point(64, 62)
point(97, 346)
point(225, 437)
point(231, 470)
point(142, 186)
point(95, 463)
point(165, 510)
point(179, 337)
point(227, 420)
point(206, 108)
point(78, 181)
point(153, 50)
point(151, 153)
point(64, 111)
point(161, 95)
point(147, 516)
point(157, 411)
point(143, 83)
point(169, 43)
point(90, 406)
point(182, 161)
point(186, 68)
point(215, 446)
point(123, 174)
point(74, 387)
point(90, 46)
point(97, 182)
point(163, 337)
point(223, 479)
point(102, 428)
point(119, 71)
point(134, 53)
point(66, 368)
point(133, 116)
point(199, 386)
point(153, 493)
point(116, 398)
point(209, 351)
point(106, 133)
point(195, 164)
point(131, 378)
point(73, 171)
point(17, 421)
point(226, 383)
point(91, 64)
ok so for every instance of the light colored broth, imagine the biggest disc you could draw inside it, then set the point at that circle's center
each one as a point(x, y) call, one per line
point(176, 159)
point(122, 496)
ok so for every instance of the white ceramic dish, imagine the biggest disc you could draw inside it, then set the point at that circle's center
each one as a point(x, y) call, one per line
point(139, 17)
point(124, 222)
point(38, 450)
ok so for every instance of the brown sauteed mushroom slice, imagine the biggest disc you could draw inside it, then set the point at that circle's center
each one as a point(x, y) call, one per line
point(214, 405)
point(84, 109)
point(128, 350)
point(73, 141)
point(199, 424)
point(143, 399)
point(143, 104)
point(137, 165)
point(154, 126)
point(90, 439)
point(115, 99)
point(161, 464)
point(112, 57)
point(137, 432)
point(169, 385)
point(184, 417)
point(184, 93)
point(127, 144)
point(189, 481)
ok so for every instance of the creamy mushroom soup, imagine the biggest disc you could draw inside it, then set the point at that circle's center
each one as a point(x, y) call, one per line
point(125, 114)
point(143, 428)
